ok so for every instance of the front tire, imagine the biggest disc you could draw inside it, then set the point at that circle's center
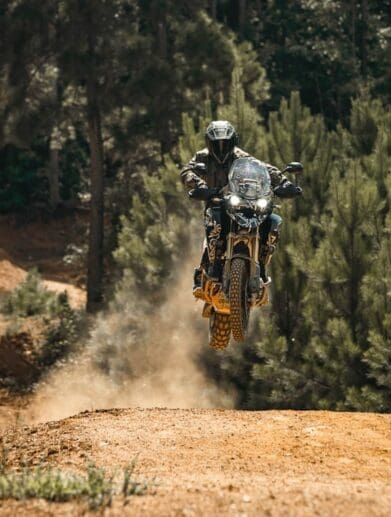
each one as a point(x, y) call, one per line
point(219, 330)
point(238, 299)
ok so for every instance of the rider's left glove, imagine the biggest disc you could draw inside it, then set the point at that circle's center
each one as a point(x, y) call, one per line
point(203, 193)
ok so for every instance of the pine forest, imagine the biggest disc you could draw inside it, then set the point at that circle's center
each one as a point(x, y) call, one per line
point(101, 105)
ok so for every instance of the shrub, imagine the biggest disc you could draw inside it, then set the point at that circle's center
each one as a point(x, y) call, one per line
point(31, 298)
point(95, 486)
point(61, 324)
point(60, 335)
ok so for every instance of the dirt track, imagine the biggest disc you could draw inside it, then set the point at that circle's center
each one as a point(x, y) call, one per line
point(211, 462)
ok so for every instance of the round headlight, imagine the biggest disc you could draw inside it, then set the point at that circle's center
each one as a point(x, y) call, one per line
point(234, 200)
point(262, 203)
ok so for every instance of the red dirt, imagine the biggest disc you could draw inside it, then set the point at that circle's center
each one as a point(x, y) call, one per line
point(221, 462)
point(42, 245)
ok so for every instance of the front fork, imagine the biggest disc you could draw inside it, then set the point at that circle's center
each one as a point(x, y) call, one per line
point(269, 247)
point(245, 247)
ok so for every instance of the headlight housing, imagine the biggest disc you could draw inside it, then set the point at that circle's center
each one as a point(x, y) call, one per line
point(234, 200)
point(262, 203)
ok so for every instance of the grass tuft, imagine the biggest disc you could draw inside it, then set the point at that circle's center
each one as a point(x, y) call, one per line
point(95, 487)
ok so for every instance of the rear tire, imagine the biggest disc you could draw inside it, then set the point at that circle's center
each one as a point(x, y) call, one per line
point(219, 330)
point(238, 299)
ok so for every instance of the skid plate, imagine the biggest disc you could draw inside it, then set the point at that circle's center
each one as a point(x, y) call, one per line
point(213, 296)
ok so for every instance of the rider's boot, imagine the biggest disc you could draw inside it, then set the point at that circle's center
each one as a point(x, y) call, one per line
point(215, 270)
point(197, 278)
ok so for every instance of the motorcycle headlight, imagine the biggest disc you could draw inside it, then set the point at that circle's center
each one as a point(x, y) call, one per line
point(234, 200)
point(262, 203)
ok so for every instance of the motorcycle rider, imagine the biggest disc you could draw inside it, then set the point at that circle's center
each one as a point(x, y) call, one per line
point(206, 174)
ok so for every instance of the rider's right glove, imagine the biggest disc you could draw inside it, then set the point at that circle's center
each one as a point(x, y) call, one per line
point(203, 193)
point(287, 190)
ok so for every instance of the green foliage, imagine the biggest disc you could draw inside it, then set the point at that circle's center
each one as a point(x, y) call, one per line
point(326, 50)
point(364, 127)
point(20, 181)
point(62, 324)
point(95, 487)
point(326, 343)
point(31, 298)
point(158, 227)
point(61, 335)
point(243, 116)
point(161, 71)
point(296, 135)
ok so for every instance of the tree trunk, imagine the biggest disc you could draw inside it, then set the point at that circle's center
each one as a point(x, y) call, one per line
point(162, 39)
point(353, 30)
point(213, 9)
point(364, 37)
point(242, 16)
point(96, 235)
point(54, 176)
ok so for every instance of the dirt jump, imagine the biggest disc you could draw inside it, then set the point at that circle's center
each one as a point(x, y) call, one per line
point(220, 462)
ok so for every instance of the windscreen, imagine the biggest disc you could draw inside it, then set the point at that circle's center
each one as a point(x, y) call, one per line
point(249, 178)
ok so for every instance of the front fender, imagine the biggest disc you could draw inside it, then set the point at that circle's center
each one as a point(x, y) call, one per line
point(244, 256)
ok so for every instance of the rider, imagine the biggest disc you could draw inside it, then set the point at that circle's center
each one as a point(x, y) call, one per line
point(208, 179)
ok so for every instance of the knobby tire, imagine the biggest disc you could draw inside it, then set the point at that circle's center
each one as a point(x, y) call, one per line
point(238, 299)
point(219, 331)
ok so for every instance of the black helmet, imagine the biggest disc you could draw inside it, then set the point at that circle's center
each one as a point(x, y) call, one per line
point(220, 138)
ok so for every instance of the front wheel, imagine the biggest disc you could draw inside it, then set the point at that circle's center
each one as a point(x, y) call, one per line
point(238, 299)
point(219, 330)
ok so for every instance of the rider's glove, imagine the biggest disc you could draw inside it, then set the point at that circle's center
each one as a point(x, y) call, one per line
point(287, 190)
point(203, 193)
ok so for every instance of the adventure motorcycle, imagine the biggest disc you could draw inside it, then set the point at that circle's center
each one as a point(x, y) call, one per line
point(248, 201)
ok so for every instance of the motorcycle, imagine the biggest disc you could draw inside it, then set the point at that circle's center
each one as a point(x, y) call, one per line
point(248, 201)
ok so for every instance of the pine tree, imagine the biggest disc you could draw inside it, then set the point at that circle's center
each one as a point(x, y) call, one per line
point(375, 394)
point(334, 302)
point(244, 117)
point(325, 342)
point(152, 241)
point(296, 135)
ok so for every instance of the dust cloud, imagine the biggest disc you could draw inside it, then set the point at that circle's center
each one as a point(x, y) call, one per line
point(137, 355)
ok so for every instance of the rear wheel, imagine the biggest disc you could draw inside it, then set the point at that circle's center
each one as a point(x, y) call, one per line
point(219, 330)
point(238, 299)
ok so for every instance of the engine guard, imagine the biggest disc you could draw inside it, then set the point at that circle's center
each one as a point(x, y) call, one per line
point(212, 294)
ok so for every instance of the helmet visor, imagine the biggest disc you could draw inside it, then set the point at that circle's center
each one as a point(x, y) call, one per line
point(221, 149)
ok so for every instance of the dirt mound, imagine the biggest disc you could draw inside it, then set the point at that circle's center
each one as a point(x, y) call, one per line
point(222, 462)
point(12, 275)
point(43, 245)
point(15, 351)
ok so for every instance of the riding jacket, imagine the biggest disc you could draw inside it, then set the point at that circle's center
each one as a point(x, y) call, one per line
point(216, 175)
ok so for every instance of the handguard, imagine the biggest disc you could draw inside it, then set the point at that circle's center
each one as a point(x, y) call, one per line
point(287, 190)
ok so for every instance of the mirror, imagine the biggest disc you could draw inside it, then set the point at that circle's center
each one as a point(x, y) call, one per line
point(294, 168)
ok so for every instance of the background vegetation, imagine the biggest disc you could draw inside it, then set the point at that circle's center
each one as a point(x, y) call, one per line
point(108, 99)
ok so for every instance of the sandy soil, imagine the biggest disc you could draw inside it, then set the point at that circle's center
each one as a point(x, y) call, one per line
point(221, 462)
point(43, 246)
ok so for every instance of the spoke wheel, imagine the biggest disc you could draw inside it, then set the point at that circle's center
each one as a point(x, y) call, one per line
point(238, 299)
